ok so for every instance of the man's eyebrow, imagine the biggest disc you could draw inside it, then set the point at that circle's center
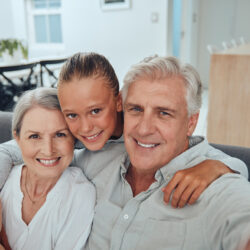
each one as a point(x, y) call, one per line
point(161, 108)
point(130, 104)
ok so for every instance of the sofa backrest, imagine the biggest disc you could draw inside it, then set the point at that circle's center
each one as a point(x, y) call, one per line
point(242, 153)
point(5, 126)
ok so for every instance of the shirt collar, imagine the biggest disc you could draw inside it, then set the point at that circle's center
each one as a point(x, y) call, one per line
point(192, 156)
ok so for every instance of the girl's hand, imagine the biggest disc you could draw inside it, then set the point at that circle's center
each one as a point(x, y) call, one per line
point(187, 185)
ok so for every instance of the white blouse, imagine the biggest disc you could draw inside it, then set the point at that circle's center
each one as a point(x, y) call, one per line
point(63, 222)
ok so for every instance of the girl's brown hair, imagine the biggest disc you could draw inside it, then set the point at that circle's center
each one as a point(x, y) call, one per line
point(84, 65)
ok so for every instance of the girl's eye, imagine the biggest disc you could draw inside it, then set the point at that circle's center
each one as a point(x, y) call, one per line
point(71, 116)
point(34, 136)
point(59, 134)
point(95, 111)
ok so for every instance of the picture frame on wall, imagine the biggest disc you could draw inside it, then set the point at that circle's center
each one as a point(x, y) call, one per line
point(115, 4)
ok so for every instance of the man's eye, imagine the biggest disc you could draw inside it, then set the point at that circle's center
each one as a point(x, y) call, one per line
point(164, 113)
point(95, 111)
point(71, 116)
point(135, 109)
point(34, 136)
point(59, 134)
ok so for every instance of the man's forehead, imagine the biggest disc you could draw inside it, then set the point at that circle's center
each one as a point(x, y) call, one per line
point(164, 90)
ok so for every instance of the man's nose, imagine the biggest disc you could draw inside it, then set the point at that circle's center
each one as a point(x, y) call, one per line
point(146, 125)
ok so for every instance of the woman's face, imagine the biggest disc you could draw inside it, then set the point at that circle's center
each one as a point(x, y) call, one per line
point(46, 142)
point(90, 109)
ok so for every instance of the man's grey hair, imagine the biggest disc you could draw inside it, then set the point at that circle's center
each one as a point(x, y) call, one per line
point(39, 97)
point(158, 68)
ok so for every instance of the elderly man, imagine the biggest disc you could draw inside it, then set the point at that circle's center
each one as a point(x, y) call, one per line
point(161, 107)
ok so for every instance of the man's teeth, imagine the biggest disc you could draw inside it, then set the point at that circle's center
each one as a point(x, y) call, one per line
point(146, 145)
point(92, 137)
point(48, 162)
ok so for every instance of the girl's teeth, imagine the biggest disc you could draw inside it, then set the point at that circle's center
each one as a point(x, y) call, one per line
point(146, 145)
point(92, 137)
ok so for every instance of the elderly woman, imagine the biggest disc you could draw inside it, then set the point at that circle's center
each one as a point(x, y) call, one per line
point(45, 204)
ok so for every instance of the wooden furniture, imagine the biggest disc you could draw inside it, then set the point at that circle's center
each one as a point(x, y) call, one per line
point(229, 97)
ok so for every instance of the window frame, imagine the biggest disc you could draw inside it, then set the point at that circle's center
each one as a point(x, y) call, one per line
point(31, 13)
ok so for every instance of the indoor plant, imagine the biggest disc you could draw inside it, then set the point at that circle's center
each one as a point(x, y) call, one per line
point(11, 47)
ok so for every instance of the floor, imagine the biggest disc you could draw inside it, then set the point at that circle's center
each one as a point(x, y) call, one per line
point(201, 128)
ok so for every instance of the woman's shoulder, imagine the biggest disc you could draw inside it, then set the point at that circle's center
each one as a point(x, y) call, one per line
point(77, 182)
point(15, 174)
point(75, 175)
point(12, 184)
point(75, 191)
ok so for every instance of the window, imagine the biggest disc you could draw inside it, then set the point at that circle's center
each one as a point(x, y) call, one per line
point(45, 21)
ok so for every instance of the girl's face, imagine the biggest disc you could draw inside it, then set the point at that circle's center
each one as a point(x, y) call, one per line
point(90, 110)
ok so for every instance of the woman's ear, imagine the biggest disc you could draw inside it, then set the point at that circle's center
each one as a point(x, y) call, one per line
point(16, 137)
point(119, 102)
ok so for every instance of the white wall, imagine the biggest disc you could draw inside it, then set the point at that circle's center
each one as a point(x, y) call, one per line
point(6, 20)
point(123, 36)
point(12, 19)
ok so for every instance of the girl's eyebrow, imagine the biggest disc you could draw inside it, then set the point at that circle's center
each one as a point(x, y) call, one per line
point(97, 105)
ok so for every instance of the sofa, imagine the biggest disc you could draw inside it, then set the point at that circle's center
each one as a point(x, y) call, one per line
point(242, 153)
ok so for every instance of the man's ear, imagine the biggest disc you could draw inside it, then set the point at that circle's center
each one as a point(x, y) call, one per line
point(192, 122)
point(119, 102)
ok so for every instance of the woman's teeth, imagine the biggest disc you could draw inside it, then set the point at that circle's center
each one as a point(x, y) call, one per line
point(48, 162)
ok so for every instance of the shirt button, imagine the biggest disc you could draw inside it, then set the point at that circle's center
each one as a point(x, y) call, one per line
point(168, 178)
point(125, 216)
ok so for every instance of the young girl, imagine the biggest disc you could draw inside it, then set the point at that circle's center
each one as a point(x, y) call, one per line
point(88, 91)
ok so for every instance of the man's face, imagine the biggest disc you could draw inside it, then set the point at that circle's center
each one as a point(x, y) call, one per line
point(156, 125)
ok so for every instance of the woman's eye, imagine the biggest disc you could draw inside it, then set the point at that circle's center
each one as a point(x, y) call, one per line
point(95, 111)
point(60, 134)
point(71, 116)
point(34, 136)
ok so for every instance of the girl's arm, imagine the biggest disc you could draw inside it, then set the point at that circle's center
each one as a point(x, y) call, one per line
point(187, 185)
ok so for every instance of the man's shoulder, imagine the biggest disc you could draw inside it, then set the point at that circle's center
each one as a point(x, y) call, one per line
point(229, 188)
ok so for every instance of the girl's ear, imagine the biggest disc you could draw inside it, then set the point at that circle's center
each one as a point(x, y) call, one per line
point(119, 102)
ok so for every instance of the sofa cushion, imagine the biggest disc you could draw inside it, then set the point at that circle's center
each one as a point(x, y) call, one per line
point(5, 126)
